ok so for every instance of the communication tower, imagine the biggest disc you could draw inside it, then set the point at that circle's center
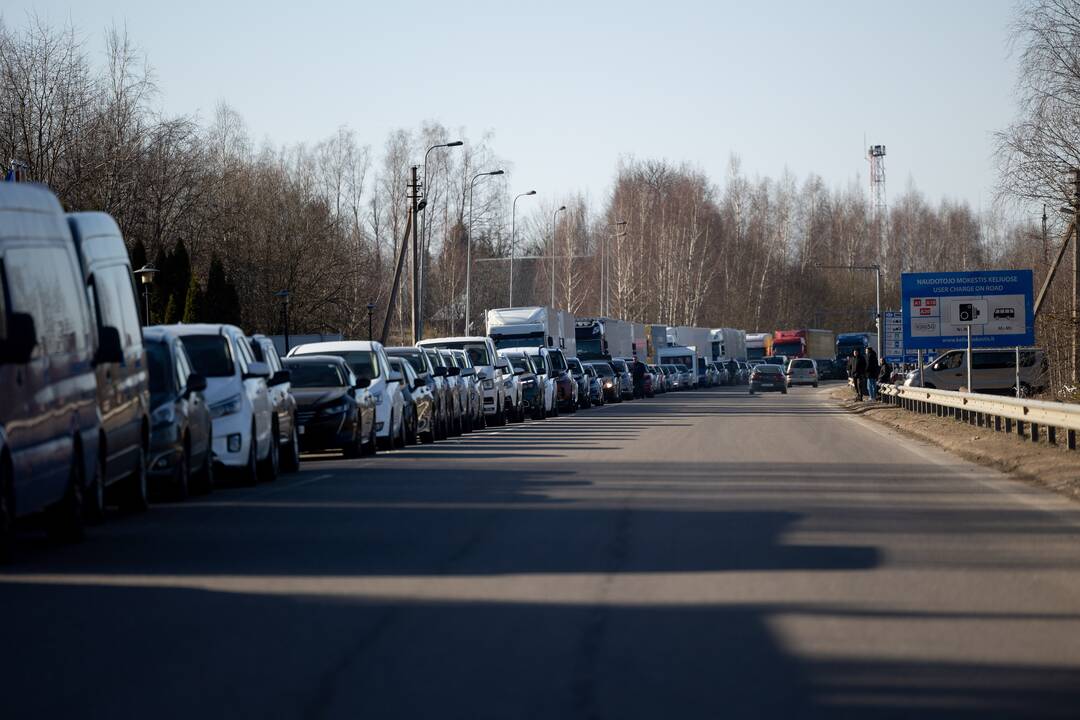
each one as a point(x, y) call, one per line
point(876, 156)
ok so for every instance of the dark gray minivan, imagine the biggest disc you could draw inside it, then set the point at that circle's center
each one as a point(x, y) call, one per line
point(48, 353)
point(122, 379)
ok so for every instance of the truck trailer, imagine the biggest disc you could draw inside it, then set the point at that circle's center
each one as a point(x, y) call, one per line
point(758, 346)
point(728, 344)
point(534, 326)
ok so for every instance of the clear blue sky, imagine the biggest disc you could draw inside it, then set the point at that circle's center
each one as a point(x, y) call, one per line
point(568, 87)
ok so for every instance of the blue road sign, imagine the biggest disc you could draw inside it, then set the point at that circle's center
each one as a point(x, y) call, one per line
point(939, 307)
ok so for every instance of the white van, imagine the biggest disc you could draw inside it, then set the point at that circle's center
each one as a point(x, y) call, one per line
point(238, 396)
point(992, 371)
point(368, 360)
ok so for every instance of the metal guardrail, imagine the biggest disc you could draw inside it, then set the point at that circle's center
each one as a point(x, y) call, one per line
point(1031, 419)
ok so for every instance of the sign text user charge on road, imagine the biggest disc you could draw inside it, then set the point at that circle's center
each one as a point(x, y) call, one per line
point(995, 304)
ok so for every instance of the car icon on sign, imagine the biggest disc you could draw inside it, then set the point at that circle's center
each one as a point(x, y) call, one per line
point(1004, 313)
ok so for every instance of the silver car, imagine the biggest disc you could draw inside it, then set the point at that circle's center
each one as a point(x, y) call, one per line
point(802, 371)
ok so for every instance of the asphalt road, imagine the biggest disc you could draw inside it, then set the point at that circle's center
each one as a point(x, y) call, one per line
point(705, 554)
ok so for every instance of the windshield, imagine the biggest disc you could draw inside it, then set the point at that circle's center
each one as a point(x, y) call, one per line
point(590, 348)
point(802, 363)
point(787, 348)
point(604, 369)
point(435, 358)
point(501, 341)
point(478, 351)
point(575, 365)
point(519, 363)
point(619, 365)
point(210, 355)
point(415, 359)
point(768, 369)
point(315, 375)
point(557, 360)
point(682, 368)
point(363, 363)
point(845, 348)
point(755, 353)
point(538, 363)
point(160, 365)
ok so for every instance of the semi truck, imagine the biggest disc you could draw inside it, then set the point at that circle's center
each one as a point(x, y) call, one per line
point(804, 343)
point(534, 326)
point(758, 346)
point(846, 342)
point(728, 344)
point(603, 338)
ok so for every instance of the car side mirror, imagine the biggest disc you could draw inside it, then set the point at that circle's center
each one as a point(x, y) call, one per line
point(195, 383)
point(502, 364)
point(109, 348)
point(21, 339)
point(454, 371)
point(280, 377)
point(362, 383)
point(439, 371)
point(419, 383)
point(257, 370)
point(395, 377)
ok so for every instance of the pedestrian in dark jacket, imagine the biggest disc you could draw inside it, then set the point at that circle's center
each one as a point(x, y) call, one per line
point(885, 375)
point(638, 370)
point(872, 370)
point(856, 370)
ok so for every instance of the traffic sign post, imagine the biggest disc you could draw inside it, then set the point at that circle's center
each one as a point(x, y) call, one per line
point(994, 306)
point(894, 337)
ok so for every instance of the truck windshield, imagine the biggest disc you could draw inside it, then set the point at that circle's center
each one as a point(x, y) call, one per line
point(535, 339)
point(755, 353)
point(590, 348)
point(787, 348)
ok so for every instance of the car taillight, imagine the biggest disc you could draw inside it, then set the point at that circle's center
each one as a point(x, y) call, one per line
point(812, 372)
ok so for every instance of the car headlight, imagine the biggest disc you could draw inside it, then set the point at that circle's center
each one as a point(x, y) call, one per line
point(228, 406)
point(336, 409)
point(164, 415)
point(607, 384)
point(489, 385)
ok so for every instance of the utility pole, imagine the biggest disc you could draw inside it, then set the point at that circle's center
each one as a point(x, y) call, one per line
point(1046, 238)
point(403, 252)
point(413, 210)
point(1076, 283)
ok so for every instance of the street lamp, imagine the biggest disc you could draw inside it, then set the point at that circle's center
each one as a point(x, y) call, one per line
point(876, 269)
point(605, 280)
point(554, 215)
point(284, 296)
point(146, 278)
point(513, 240)
point(468, 243)
point(419, 251)
point(370, 332)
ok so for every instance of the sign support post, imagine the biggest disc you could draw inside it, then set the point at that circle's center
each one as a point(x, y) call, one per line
point(968, 357)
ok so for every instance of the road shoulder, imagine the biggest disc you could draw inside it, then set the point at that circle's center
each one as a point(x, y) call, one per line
point(1054, 468)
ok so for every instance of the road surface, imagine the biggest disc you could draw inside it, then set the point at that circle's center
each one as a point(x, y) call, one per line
point(699, 555)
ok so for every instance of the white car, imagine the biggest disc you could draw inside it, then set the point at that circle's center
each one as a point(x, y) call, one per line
point(241, 409)
point(368, 360)
point(802, 371)
point(515, 407)
point(491, 369)
point(544, 374)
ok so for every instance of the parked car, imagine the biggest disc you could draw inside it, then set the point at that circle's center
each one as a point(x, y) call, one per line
point(245, 434)
point(334, 408)
point(746, 369)
point(674, 377)
point(735, 374)
point(659, 380)
point(420, 398)
point(717, 374)
point(686, 376)
point(123, 384)
point(768, 377)
point(648, 382)
point(181, 456)
point(993, 371)
point(596, 385)
point(546, 405)
point(283, 401)
point(490, 372)
point(609, 380)
point(49, 419)
point(577, 372)
point(447, 372)
point(368, 361)
point(626, 381)
point(514, 391)
point(460, 388)
point(532, 386)
point(566, 389)
point(435, 382)
point(802, 371)
point(474, 389)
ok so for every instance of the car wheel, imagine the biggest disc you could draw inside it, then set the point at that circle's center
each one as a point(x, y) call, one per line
point(354, 448)
point(66, 517)
point(181, 476)
point(387, 442)
point(7, 512)
point(94, 499)
point(133, 490)
point(205, 481)
point(290, 462)
point(271, 466)
point(399, 438)
point(815, 384)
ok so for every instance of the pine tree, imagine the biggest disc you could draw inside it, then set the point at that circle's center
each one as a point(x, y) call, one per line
point(222, 303)
point(193, 303)
point(170, 311)
point(137, 255)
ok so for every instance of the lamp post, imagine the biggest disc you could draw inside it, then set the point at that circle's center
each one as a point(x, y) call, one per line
point(284, 296)
point(146, 278)
point(876, 269)
point(421, 251)
point(468, 244)
point(554, 216)
point(370, 332)
point(513, 240)
point(605, 273)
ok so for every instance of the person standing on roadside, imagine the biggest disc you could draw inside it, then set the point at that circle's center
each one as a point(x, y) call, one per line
point(638, 369)
point(856, 370)
point(885, 375)
point(872, 370)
